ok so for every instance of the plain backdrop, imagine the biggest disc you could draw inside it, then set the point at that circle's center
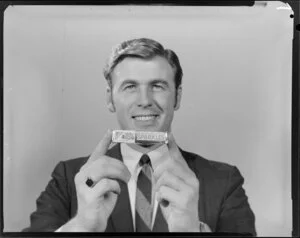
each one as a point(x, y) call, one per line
point(236, 104)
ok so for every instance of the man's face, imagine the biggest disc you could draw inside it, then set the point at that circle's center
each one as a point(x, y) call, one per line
point(143, 94)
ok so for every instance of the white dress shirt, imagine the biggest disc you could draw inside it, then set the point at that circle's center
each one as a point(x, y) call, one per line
point(131, 159)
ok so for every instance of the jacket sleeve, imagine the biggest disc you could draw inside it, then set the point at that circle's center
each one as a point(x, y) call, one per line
point(53, 204)
point(236, 214)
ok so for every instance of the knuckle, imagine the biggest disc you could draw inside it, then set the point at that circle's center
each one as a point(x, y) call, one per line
point(195, 181)
point(118, 188)
point(190, 192)
point(163, 175)
point(114, 183)
point(161, 189)
point(78, 177)
point(105, 182)
point(100, 160)
point(83, 167)
point(167, 174)
point(164, 178)
point(184, 201)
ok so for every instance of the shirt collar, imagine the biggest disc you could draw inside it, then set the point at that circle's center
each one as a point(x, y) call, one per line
point(131, 157)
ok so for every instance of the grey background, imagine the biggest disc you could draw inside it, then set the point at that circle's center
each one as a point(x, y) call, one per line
point(236, 104)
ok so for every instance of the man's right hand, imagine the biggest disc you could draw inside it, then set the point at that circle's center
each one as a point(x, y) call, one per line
point(96, 203)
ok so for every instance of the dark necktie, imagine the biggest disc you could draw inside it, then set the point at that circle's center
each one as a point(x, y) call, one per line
point(143, 202)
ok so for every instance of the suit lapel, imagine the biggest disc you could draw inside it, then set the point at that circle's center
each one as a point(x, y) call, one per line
point(160, 224)
point(121, 216)
point(191, 161)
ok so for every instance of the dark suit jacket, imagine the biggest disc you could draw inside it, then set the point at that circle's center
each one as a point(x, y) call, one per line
point(223, 204)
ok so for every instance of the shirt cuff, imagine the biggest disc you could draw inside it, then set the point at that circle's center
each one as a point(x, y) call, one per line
point(204, 227)
point(58, 230)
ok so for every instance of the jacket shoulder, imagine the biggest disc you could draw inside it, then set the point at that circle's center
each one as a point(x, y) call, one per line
point(72, 166)
point(206, 166)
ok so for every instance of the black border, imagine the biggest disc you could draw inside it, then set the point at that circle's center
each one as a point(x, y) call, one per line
point(295, 120)
point(295, 145)
point(136, 2)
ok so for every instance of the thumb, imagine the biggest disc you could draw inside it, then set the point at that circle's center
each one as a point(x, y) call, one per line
point(102, 147)
point(173, 148)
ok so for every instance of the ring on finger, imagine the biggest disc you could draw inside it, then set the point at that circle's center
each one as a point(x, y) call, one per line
point(89, 182)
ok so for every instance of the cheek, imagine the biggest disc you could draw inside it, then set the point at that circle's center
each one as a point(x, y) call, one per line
point(122, 100)
point(123, 105)
point(166, 102)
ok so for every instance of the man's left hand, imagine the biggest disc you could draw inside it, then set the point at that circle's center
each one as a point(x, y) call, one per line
point(177, 190)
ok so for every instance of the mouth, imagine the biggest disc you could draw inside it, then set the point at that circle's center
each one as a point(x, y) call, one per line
point(145, 117)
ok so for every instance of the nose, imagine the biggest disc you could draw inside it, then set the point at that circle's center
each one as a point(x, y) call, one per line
point(145, 98)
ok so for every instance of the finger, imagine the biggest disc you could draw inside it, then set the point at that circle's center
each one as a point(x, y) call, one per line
point(105, 186)
point(100, 164)
point(174, 167)
point(108, 170)
point(170, 180)
point(102, 147)
point(176, 199)
point(166, 195)
point(99, 169)
point(173, 148)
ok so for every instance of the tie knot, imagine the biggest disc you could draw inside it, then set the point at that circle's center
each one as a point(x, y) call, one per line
point(144, 160)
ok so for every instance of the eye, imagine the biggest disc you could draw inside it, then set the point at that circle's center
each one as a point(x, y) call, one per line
point(129, 87)
point(158, 86)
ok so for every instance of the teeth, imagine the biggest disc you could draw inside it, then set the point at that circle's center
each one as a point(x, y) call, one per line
point(144, 118)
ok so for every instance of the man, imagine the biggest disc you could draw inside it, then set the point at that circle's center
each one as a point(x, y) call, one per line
point(104, 192)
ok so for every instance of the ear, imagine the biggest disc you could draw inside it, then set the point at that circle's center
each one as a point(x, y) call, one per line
point(178, 98)
point(109, 100)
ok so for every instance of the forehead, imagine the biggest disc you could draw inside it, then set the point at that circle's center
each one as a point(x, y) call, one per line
point(143, 69)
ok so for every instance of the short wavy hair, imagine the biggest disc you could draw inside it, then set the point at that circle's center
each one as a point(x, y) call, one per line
point(143, 48)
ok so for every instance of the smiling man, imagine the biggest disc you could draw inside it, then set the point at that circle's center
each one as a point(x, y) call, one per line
point(143, 94)
point(143, 187)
